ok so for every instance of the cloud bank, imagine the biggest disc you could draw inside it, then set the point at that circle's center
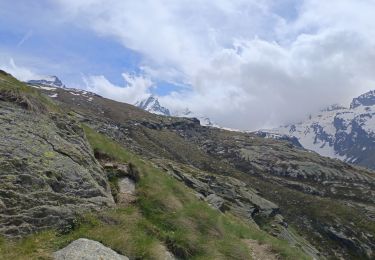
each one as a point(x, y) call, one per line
point(247, 64)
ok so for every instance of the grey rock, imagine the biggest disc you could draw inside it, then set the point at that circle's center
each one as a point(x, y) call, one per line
point(126, 194)
point(85, 249)
point(215, 201)
point(48, 172)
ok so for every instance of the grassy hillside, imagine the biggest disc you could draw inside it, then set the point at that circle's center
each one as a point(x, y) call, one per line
point(17, 92)
point(166, 215)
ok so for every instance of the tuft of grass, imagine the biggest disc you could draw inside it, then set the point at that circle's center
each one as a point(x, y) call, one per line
point(103, 146)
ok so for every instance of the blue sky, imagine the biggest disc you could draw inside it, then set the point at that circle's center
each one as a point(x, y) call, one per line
point(246, 64)
point(63, 49)
point(30, 36)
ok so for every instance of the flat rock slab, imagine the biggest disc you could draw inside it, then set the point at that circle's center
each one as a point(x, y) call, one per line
point(127, 185)
point(85, 249)
point(126, 193)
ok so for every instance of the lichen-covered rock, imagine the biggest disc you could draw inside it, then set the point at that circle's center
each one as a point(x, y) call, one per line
point(48, 172)
point(85, 249)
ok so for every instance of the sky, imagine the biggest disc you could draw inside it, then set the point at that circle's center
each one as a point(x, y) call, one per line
point(246, 64)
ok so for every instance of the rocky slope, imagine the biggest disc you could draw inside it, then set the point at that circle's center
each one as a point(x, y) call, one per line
point(327, 201)
point(344, 133)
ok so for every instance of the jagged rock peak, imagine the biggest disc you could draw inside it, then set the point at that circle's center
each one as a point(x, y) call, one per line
point(151, 104)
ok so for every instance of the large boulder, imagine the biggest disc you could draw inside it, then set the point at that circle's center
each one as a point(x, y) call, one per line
point(85, 249)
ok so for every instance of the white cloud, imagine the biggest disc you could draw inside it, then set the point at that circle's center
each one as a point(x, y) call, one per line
point(248, 63)
point(135, 88)
point(20, 72)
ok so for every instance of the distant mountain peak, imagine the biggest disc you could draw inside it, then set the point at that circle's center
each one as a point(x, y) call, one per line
point(52, 81)
point(152, 105)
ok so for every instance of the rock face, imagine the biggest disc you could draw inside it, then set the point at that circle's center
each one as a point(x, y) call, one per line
point(85, 249)
point(48, 172)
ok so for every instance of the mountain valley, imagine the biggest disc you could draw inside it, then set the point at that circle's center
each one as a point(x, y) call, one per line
point(200, 192)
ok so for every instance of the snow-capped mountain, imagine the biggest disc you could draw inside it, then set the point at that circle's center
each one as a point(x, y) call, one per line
point(51, 81)
point(347, 134)
point(152, 105)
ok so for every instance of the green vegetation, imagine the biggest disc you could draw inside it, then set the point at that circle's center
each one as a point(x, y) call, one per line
point(167, 215)
point(15, 91)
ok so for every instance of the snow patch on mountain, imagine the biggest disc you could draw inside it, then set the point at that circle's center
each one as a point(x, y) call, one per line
point(152, 105)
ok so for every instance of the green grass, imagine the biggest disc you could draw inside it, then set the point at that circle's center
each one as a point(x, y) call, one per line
point(166, 215)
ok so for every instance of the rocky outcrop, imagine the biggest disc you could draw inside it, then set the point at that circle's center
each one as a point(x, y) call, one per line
point(48, 172)
point(225, 193)
point(85, 249)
